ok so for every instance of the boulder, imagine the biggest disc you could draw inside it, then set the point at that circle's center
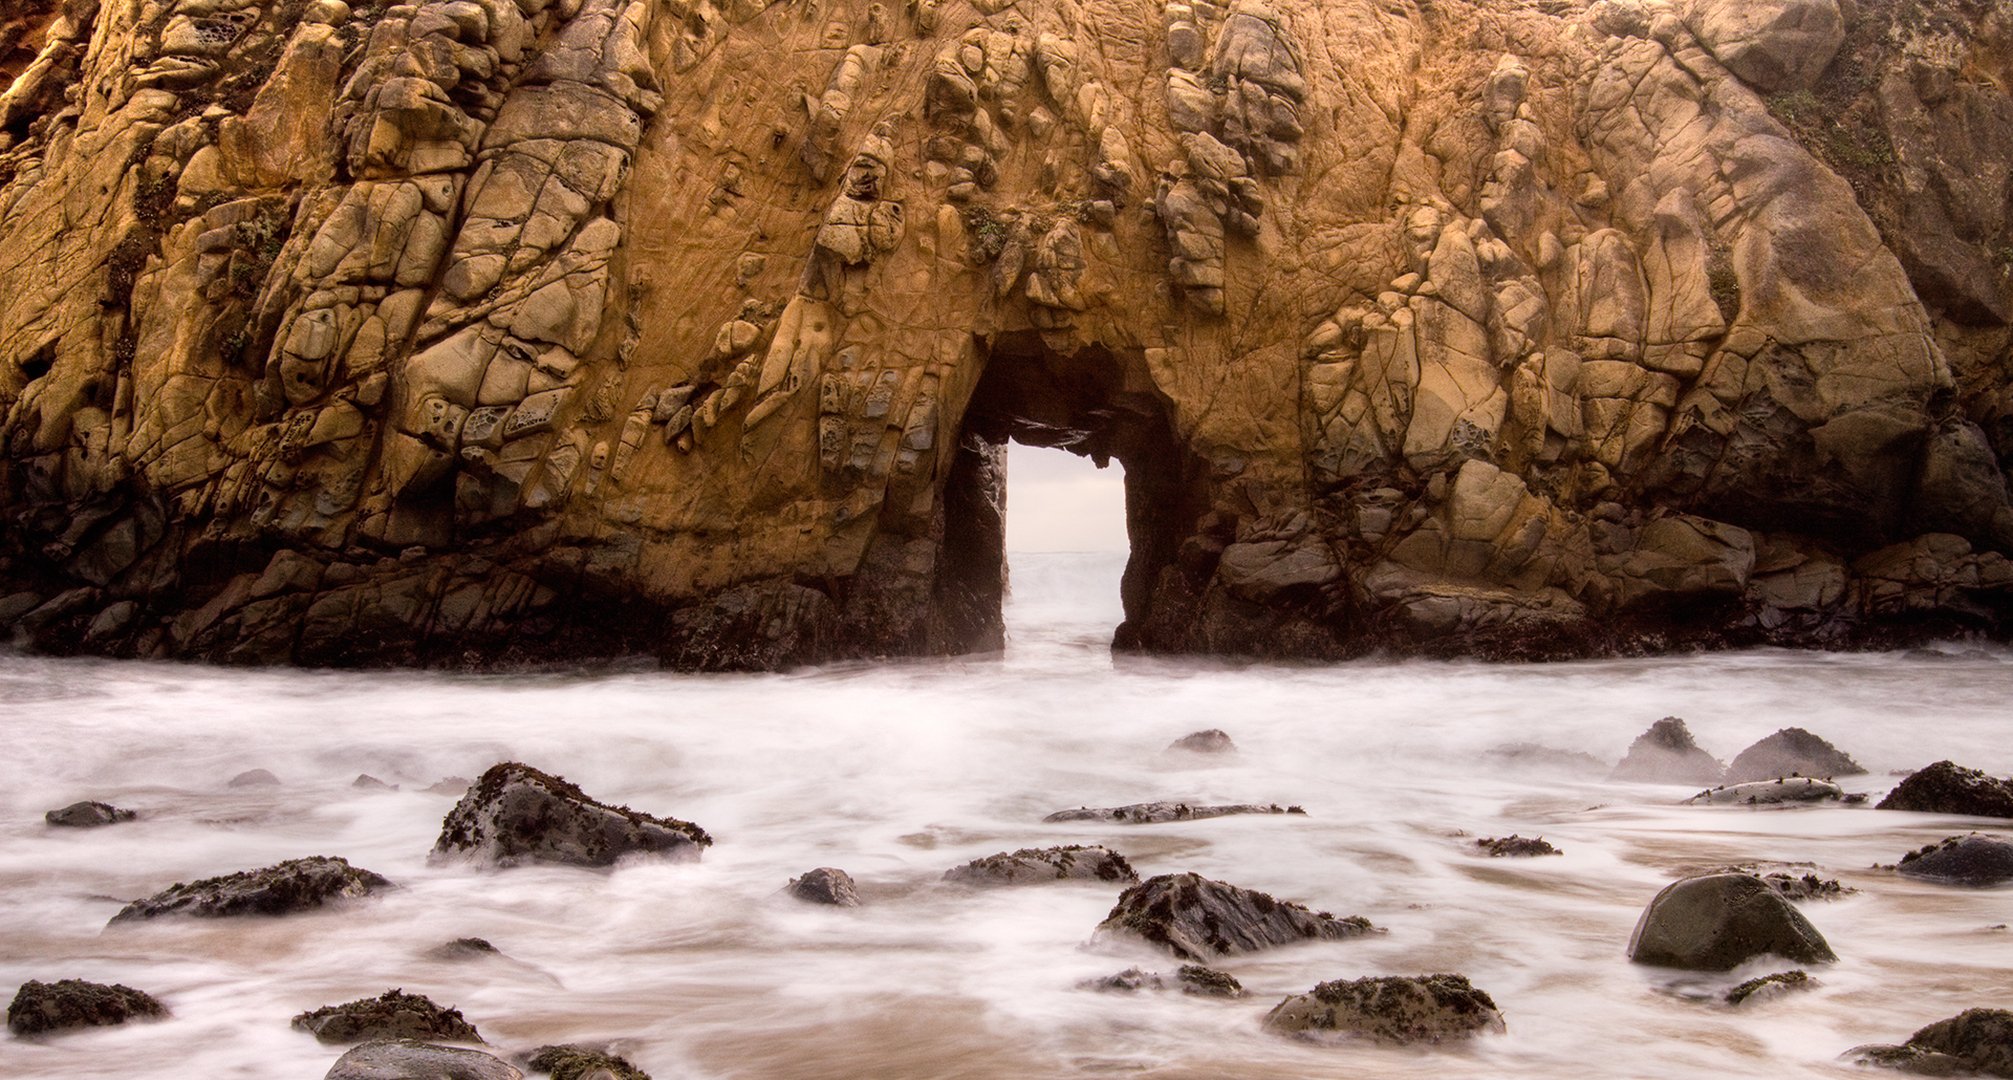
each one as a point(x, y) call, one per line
point(1779, 792)
point(1977, 1041)
point(1032, 866)
point(1720, 921)
point(467, 948)
point(1211, 741)
point(570, 1061)
point(1192, 979)
point(1769, 987)
point(1198, 919)
point(1155, 813)
point(1395, 1009)
point(406, 1059)
point(40, 1007)
point(394, 1014)
point(1776, 46)
point(516, 814)
point(1514, 846)
point(1791, 752)
point(1792, 883)
point(825, 885)
point(294, 885)
point(1973, 860)
point(1947, 788)
point(1667, 754)
point(254, 778)
point(87, 815)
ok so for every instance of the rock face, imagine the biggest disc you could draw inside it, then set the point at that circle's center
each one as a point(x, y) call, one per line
point(516, 814)
point(570, 1062)
point(1198, 919)
point(1400, 1010)
point(1962, 860)
point(457, 334)
point(394, 1014)
point(87, 815)
point(1791, 752)
point(1948, 788)
point(1781, 792)
point(825, 885)
point(40, 1007)
point(1030, 866)
point(291, 886)
point(1978, 1041)
point(1155, 813)
point(1666, 754)
point(1720, 921)
point(405, 1059)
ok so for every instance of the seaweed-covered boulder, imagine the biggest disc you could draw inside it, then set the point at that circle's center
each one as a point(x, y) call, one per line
point(40, 1007)
point(825, 885)
point(1768, 987)
point(1791, 752)
point(1948, 788)
point(1192, 979)
point(1395, 1009)
point(394, 1014)
point(570, 1061)
point(1154, 813)
point(516, 814)
point(1198, 919)
point(1973, 860)
point(1031, 866)
point(1210, 741)
point(291, 886)
point(1719, 921)
point(1974, 1041)
point(1783, 791)
point(408, 1059)
point(87, 815)
point(1667, 754)
point(1517, 847)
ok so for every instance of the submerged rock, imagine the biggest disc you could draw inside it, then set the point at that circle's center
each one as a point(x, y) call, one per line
point(516, 814)
point(467, 948)
point(1198, 919)
point(447, 785)
point(1667, 754)
point(570, 1061)
point(1769, 987)
point(1948, 788)
point(1398, 1010)
point(1974, 1041)
point(1780, 792)
point(294, 885)
point(1155, 813)
point(1719, 921)
point(1531, 756)
point(1193, 979)
point(254, 778)
point(87, 815)
point(825, 885)
point(367, 782)
point(1791, 752)
point(1211, 741)
point(1514, 846)
point(1973, 860)
point(1030, 866)
point(394, 1014)
point(40, 1007)
point(407, 1059)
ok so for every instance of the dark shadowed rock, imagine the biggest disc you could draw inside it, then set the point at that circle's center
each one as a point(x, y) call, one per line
point(1769, 987)
point(1947, 788)
point(516, 814)
point(1031, 866)
point(1198, 919)
point(467, 948)
point(254, 778)
point(1155, 813)
point(87, 815)
point(1399, 1010)
point(1514, 846)
point(1535, 758)
point(294, 885)
point(394, 1014)
point(72, 1003)
point(570, 1061)
point(825, 885)
point(1212, 741)
point(1973, 860)
point(1783, 791)
point(1791, 752)
point(1667, 754)
point(1193, 979)
point(405, 1059)
point(1720, 921)
point(1977, 1041)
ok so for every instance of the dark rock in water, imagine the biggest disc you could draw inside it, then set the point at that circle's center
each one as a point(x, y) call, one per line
point(825, 885)
point(1399, 1010)
point(1783, 791)
point(1666, 754)
point(570, 1061)
point(1791, 752)
point(448, 785)
point(294, 885)
point(406, 1059)
point(87, 815)
point(1193, 979)
point(1514, 846)
point(254, 778)
point(1974, 1041)
point(367, 782)
point(1720, 921)
point(516, 814)
point(393, 1015)
point(1212, 741)
point(1973, 860)
point(1198, 919)
point(1031, 866)
point(1946, 788)
point(1155, 813)
point(1769, 987)
point(73, 1003)
point(1532, 756)
point(467, 948)
point(1792, 884)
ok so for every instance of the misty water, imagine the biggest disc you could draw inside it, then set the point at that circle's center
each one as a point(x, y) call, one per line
point(898, 771)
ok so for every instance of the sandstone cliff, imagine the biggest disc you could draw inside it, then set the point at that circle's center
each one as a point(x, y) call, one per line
point(462, 331)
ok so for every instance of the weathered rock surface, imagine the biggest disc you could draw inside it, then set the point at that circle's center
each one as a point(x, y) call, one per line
point(461, 335)
point(1211, 741)
point(1973, 860)
point(1667, 754)
point(394, 1014)
point(405, 1059)
point(516, 814)
point(1030, 866)
point(825, 885)
point(1948, 788)
point(1791, 752)
point(1974, 1042)
point(567, 1061)
point(1396, 1009)
point(87, 815)
point(281, 889)
point(1785, 791)
point(1791, 881)
point(1155, 813)
point(1769, 987)
point(1720, 921)
point(1192, 979)
point(40, 1007)
point(1198, 919)
point(1514, 846)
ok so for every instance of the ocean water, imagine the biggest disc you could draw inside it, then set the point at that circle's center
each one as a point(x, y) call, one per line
point(899, 771)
